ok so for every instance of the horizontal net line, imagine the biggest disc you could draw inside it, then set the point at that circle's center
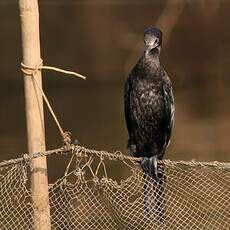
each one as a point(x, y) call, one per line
point(117, 155)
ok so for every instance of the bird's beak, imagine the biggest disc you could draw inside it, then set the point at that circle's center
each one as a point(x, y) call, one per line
point(151, 47)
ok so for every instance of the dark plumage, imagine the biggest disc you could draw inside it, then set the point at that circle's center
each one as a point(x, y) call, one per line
point(149, 105)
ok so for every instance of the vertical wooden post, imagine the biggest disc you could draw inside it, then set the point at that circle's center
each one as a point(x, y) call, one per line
point(29, 15)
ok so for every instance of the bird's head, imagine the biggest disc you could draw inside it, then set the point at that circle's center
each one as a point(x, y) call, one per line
point(153, 40)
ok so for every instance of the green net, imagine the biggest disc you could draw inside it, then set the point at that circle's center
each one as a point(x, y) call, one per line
point(188, 195)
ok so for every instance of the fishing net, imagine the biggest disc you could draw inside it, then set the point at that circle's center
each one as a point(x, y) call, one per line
point(187, 195)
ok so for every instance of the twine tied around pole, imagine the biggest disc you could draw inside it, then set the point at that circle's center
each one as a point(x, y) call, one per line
point(32, 70)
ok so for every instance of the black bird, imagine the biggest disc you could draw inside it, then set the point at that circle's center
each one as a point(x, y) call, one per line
point(149, 105)
point(149, 113)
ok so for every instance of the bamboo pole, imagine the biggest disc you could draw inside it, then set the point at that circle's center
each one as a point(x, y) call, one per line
point(29, 15)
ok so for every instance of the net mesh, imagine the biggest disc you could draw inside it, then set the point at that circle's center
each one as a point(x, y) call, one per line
point(186, 196)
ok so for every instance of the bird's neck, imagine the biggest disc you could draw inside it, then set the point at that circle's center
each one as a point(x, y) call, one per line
point(150, 62)
point(152, 56)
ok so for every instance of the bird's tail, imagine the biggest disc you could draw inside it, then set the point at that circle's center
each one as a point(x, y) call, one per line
point(154, 195)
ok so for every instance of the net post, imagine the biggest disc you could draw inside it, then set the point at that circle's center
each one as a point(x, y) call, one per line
point(29, 15)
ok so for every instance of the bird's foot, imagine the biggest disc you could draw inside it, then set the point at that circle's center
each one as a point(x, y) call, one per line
point(149, 165)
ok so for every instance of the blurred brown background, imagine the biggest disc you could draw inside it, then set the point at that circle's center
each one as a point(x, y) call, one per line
point(103, 40)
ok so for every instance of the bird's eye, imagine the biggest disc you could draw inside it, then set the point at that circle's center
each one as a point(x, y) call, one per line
point(157, 40)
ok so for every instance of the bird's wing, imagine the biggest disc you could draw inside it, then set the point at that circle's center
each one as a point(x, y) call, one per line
point(127, 107)
point(169, 110)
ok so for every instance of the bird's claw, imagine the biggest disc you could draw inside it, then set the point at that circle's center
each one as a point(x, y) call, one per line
point(149, 165)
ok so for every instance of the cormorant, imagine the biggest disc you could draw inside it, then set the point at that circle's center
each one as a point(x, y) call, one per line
point(149, 105)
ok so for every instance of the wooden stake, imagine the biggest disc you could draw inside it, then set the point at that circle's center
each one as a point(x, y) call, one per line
point(29, 15)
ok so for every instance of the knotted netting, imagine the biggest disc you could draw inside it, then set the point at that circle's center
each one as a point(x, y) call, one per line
point(187, 195)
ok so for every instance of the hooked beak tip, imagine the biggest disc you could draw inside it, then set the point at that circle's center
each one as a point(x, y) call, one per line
point(151, 47)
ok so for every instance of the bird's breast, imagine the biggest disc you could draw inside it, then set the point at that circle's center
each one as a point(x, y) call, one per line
point(147, 100)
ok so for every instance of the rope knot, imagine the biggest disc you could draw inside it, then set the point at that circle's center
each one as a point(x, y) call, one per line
point(25, 157)
point(119, 155)
point(67, 139)
point(31, 70)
